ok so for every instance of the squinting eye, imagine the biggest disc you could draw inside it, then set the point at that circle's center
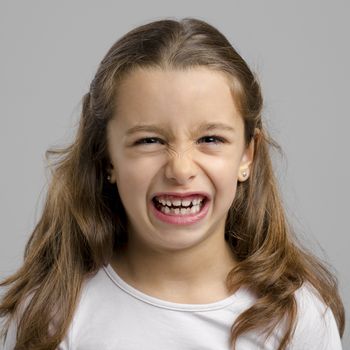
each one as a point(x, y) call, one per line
point(148, 140)
point(207, 139)
point(213, 139)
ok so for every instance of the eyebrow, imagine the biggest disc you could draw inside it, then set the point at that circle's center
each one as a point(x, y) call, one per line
point(202, 127)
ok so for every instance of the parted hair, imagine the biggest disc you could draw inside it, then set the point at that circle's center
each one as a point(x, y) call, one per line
point(83, 220)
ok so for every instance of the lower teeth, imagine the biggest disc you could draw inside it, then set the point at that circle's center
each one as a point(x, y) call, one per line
point(166, 210)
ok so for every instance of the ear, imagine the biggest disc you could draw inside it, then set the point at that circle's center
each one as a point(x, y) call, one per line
point(110, 173)
point(247, 160)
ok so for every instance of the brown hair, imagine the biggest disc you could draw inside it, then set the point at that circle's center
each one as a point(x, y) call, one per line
point(83, 219)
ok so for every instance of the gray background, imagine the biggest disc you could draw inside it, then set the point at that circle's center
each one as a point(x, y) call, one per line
point(300, 50)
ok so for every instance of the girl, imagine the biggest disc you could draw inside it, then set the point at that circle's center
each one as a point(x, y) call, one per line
point(163, 227)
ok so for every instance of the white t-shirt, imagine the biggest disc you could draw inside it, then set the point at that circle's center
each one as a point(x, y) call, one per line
point(113, 315)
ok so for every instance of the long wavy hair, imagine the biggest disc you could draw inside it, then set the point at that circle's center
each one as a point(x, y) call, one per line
point(83, 219)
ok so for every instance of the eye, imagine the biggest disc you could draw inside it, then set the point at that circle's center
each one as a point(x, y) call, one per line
point(148, 140)
point(213, 139)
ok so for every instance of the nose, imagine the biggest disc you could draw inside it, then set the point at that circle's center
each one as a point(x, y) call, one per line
point(180, 168)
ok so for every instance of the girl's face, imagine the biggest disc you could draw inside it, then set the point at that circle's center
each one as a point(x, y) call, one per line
point(176, 131)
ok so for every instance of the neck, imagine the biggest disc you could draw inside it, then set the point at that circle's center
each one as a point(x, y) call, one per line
point(196, 274)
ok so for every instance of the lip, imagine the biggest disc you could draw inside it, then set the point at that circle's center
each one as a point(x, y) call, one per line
point(182, 194)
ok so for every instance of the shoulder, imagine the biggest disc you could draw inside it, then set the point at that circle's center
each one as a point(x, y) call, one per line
point(310, 304)
point(316, 327)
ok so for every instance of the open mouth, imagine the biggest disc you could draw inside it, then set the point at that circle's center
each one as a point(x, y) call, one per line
point(180, 207)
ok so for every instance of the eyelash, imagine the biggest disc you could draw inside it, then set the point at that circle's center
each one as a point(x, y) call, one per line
point(217, 138)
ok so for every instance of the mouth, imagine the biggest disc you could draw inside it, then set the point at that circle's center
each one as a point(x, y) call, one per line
point(176, 206)
point(180, 209)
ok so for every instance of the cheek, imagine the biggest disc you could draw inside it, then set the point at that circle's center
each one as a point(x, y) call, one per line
point(132, 187)
point(133, 177)
point(224, 176)
point(224, 168)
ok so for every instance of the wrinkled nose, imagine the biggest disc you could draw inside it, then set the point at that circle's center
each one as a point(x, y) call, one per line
point(180, 168)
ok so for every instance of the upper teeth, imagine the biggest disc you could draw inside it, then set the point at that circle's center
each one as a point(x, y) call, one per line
point(178, 202)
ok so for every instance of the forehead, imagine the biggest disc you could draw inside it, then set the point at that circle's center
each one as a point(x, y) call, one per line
point(192, 95)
